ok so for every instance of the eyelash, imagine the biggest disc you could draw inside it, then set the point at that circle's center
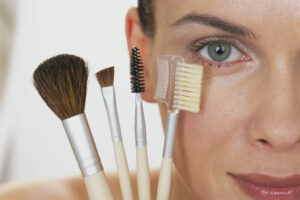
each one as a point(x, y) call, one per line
point(196, 46)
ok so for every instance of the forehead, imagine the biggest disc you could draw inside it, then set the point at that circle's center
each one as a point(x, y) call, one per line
point(243, 10)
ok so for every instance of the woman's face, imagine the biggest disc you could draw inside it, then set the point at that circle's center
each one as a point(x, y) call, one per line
point(244, 143)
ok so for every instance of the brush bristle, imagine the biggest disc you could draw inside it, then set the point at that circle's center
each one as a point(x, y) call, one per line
point(136, 72)
point(105, 77)
point(61, 82)
point(188, 81)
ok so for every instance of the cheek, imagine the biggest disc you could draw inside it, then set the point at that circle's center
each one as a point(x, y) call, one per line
point(205, 140)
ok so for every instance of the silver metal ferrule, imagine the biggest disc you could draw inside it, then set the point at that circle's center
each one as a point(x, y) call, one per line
point(108, 94)
point(170, 134)
point(140, 127)
point(83, 145)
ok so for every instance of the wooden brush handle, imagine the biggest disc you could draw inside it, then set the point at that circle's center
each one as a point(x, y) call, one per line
point(143, 177)
point(97, 187)
point(164, 181)
point(123, 171)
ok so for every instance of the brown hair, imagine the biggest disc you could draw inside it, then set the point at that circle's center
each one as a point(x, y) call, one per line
point(146, 15)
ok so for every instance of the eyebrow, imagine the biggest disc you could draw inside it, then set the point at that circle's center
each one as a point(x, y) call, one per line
point(215, 22)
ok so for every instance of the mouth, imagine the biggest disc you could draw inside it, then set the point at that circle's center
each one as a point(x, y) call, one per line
point(263, 187)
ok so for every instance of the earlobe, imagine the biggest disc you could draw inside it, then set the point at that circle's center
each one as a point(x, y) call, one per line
point(136, 37)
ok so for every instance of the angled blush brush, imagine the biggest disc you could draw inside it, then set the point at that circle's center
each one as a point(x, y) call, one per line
point(179, 86)
point(105, 78)
point(137, 87)
point(61, 81)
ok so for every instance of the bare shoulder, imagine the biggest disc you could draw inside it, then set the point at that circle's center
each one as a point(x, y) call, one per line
point(114, 183)
point(63, 189)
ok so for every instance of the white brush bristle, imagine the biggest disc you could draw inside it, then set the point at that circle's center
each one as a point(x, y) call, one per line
point(188, 81)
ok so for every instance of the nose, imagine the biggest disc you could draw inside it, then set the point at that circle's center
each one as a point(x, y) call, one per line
point(275, 125)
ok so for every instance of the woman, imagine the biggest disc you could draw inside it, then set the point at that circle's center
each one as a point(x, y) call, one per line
point(244, 143)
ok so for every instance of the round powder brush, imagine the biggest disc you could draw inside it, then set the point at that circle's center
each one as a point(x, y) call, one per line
point(61, 81)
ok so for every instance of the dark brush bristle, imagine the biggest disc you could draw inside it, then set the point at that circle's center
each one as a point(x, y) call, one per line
point(106, 76)
point(136, 72)
point(61, 81)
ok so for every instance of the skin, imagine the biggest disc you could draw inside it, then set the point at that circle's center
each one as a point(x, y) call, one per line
point(249, 118)
point(64, 189)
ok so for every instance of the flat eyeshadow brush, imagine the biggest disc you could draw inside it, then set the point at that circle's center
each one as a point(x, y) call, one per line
point(105, 78)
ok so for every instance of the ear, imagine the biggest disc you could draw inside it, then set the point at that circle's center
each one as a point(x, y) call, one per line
point(136, 37)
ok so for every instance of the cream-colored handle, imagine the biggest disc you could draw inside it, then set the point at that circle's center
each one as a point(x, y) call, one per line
point(143, 177)
point(97, 187)
point(164, 181)
point(123, 171)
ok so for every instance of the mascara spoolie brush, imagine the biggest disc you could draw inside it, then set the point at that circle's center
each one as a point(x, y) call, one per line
point(61, 81)
point(137, 87)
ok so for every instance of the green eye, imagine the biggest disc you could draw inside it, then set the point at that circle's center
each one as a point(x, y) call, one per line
point(219, 51)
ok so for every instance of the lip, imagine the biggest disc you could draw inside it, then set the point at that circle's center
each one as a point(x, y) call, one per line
point(263, 187)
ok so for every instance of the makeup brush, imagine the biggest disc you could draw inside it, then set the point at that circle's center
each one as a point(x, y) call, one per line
point(138, 86)
point(61, 81)
point(179, 86)
point(105, 78)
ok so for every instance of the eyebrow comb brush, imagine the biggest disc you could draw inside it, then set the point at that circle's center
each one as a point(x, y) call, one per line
point(105, 78)
point(178, 86)
point(138, 86)
point(61, 81)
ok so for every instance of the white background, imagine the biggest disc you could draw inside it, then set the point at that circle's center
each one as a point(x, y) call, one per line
point(30, 133)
